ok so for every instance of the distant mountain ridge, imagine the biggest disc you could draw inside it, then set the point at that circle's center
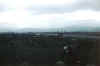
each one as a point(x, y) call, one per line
point(75, 28)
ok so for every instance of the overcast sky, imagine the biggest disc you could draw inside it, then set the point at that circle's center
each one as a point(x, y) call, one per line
point(48, 13)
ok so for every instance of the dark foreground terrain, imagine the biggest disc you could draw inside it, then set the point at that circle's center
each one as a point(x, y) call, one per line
point(47, 49)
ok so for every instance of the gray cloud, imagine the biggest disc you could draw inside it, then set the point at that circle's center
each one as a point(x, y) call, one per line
point(80, 4)
point(53, 8)
point(1, 8)
point(88, 4)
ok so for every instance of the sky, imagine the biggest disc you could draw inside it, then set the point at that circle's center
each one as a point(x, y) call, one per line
point(18, 14)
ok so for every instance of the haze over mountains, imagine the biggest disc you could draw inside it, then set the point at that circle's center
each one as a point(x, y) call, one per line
point(74, 28)
point(66, 29)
